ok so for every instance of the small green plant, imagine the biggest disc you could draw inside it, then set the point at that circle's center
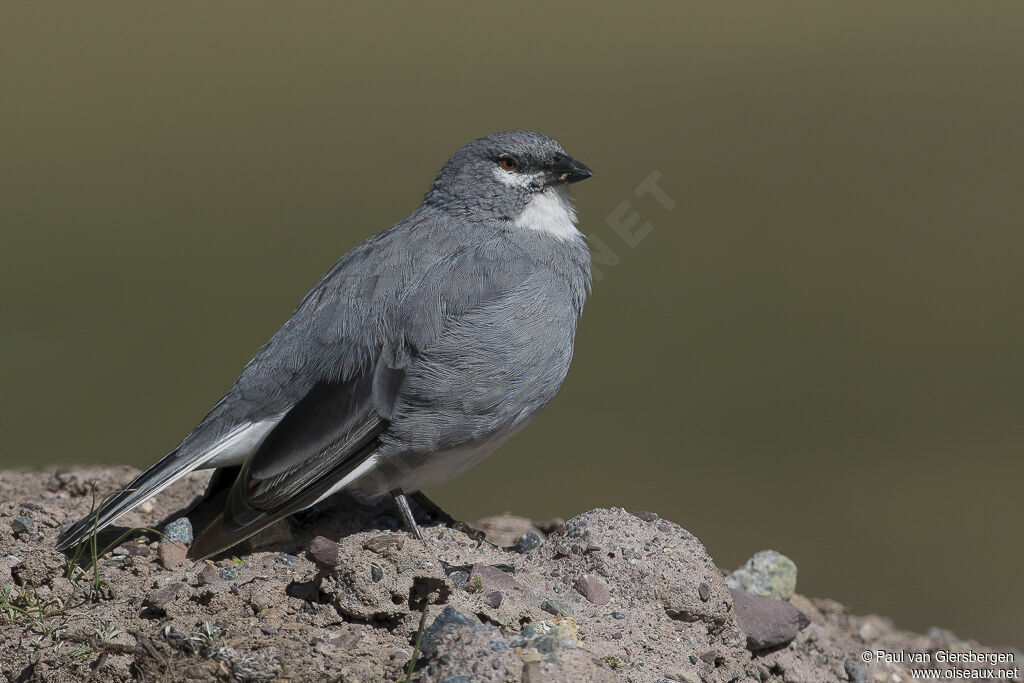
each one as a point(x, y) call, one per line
point(612, 661)
point(477, 586)
point(106, 631)
point(207, 636)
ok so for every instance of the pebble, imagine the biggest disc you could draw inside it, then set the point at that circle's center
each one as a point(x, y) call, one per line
point(376, 573)
point(22, 524)
point(171, 553)
point(768, 574)
point(448, 621)
point(492, 578)
point(378, 544)
point(618, 615)
point(593, 589)
point(132, 549)
point(558, 608)
point(494, 599)
point(766, 622)
point(704, 592)
point(459, 578)
point(497, 645)
point(527, 542)
point(285, 559)
point(323, 552)
point(268, 630)
point(179, 530)
point(161, 597)
point(229, 573)
point(209, 576)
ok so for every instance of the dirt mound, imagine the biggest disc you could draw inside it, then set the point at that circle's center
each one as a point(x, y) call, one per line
point(338, 593)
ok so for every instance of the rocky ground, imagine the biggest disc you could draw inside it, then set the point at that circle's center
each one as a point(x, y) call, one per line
point(338, 593)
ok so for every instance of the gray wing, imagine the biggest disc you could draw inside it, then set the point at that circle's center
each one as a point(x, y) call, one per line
point(334, 334)
point(338, 425)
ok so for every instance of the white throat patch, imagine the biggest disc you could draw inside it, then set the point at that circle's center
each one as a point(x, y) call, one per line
point(550, 211)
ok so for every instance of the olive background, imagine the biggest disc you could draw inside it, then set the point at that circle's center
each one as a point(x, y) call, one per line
point(816, 349)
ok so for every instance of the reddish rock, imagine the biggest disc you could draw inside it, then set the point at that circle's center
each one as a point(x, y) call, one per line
point(323, 552)
point(171, 553)
point(593, 589)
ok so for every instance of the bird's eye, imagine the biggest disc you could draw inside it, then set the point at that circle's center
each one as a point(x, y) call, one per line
point(508, 163)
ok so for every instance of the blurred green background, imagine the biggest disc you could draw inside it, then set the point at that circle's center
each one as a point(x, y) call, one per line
point(818, 349)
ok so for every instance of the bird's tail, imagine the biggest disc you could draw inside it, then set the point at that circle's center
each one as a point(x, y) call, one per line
point(159, 476)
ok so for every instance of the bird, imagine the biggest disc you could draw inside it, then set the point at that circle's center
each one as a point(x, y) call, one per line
point(420, 352)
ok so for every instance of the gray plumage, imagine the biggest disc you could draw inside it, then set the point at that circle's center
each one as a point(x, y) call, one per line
point(416, 355)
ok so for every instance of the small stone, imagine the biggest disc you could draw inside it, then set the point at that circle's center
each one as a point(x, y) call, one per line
point(708, 657)
point(618, 615)
point(494, 599)
point(768, 574)
point(593, 589)
point(704, 592)
point(644, 515)
point(133, 549)
point(459, 578)
point(766, 622)
point(229, 573)
point(285, 559)
point(527, 542)
point(487, 577)
point(179, 530)
point(497, 645)
point(558, 608)
point(22, 524)
point(209, 576)
point(268, 630)
point(376, 573)
point(323, 552)
point(161, 597)
point(378, 544)
point(857, 672)
point(447, 622)
point(171, 553)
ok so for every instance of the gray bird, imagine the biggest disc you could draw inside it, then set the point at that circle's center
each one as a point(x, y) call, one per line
point(420, 352)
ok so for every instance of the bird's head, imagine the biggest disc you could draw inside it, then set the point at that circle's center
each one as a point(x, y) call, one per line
point(506, 175)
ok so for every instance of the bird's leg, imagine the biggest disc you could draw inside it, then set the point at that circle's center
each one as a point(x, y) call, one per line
point(435, 511)
point(403, 509)
point(432, 508)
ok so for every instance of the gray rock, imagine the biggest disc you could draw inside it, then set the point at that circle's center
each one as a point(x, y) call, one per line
point(229, 573)
point(857, 672)
point(285, 559)
point(376, 573)
point(445, 624)
point(704, 592)
point(527, 542)
point(179, 530)
point(494, 599)
point(768, 574)
point(22, 524)
point(765, 621)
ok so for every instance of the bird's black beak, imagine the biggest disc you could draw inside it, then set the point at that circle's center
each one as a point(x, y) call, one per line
point(565, 169)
